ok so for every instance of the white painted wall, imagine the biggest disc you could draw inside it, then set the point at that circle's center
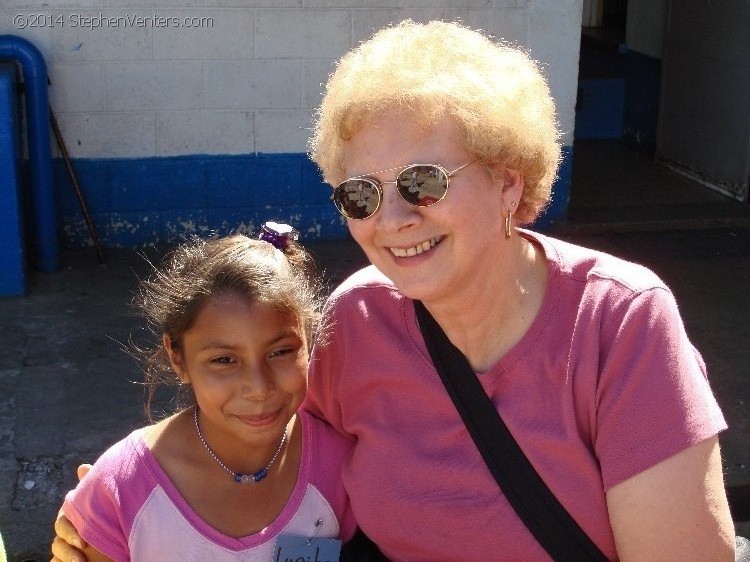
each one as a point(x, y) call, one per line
point(250, 81)
point(646, 25)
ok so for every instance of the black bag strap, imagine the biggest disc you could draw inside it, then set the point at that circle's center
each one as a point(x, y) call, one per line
point(539, 509)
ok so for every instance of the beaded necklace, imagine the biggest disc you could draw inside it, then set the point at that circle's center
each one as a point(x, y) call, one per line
point(238, 476)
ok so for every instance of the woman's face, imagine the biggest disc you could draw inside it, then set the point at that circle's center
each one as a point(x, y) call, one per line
point(430, 253)
point(247, 365)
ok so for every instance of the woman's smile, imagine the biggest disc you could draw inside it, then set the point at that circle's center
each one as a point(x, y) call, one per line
point(435, 252)
point(410, 251)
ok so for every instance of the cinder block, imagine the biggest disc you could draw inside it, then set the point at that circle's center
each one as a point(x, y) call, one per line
point(92, 175)
point(16, 4)
point(559, 6)
point(205, 34)
point(156, 184)
point(16, 22)
point(104, 34)
point(153, 5)
point(305, 34)
point(314, 190)
point(458, 4)
point(282, 131)
point(278, 179)
point(109, 135)
point(231, 181)
point(315, 76)
point(121, 229)
point(204, 132)
point(76, 87)
point(261, 84)
point(322, 221)
point(254, 181)
point(558, 53)
point(179, 224)
point(510, 23)
point(254, 3)
point(241, 220)
point(154, 85)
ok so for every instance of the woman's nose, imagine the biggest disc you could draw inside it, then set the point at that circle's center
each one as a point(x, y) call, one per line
point(394, 213)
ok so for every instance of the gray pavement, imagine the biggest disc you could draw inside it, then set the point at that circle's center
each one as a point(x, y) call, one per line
point(68, 388)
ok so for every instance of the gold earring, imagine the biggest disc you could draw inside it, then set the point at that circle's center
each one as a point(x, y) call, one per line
point(507, 225)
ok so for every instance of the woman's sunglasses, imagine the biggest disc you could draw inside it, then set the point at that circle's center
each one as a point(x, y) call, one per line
point(420, 185)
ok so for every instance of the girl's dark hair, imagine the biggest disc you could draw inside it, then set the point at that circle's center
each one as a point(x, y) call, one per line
point(201, 269)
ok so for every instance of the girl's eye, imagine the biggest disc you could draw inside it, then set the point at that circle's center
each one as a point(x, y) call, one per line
point(222, 360)
point(283, 351)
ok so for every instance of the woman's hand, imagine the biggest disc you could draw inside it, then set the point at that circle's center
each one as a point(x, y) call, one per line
point(68, 544)
point(676, 510)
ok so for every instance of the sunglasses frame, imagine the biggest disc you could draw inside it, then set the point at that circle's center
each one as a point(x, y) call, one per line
point(378, 185)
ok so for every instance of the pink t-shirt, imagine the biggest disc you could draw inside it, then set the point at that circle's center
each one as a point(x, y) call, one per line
point(604, 385)
point(128, 509)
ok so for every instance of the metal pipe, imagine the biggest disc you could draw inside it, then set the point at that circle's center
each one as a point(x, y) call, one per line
point(40, 154)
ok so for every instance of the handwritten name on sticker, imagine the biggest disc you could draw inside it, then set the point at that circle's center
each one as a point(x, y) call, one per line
point(302, 549)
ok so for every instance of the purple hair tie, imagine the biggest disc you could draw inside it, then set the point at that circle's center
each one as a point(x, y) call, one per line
point(278, 234)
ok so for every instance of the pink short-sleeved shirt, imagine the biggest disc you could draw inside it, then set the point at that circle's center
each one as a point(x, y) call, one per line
point(128, 509)
point(604, 385)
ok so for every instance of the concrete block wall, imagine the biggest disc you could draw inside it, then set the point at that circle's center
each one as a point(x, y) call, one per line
point(169, 121)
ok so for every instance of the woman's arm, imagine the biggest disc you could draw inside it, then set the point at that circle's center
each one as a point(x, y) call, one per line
point(675, 510)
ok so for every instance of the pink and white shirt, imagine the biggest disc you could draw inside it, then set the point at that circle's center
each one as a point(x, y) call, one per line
point(128, 509)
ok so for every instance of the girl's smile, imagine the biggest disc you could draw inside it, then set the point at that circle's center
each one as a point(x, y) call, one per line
point(261, 419)
point(247, 365)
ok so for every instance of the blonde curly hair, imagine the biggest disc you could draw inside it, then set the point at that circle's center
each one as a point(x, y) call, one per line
point(494, 91)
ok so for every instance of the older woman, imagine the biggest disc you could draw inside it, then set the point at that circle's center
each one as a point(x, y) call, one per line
point(440, 144)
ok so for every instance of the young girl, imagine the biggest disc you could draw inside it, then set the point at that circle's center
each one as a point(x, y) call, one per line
point(241, 475)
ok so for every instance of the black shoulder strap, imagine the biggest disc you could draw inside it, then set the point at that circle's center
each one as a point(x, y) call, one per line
point(549, 522)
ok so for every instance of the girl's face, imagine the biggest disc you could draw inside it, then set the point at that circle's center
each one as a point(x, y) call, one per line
point(247, 365)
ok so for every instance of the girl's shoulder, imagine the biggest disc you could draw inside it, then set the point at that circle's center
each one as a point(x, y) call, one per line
point(107, 500)
point(163, 432)
point(130, 463)
point(169, 445)
point(123, 457)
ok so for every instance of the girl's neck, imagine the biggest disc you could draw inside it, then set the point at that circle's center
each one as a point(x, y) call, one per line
point(233, 509)
point(226, 449)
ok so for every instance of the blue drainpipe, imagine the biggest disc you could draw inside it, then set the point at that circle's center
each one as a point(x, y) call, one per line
point(40, 154)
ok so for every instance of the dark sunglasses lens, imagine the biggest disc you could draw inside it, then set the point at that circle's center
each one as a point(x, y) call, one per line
point(422, 185)
point(357, 199)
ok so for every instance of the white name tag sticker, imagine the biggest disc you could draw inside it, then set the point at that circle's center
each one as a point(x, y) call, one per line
point(303, 549)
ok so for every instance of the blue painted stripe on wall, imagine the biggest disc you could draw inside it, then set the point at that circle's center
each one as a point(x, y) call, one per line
point(137, 202)
point(155, 201)
point(557, 211)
